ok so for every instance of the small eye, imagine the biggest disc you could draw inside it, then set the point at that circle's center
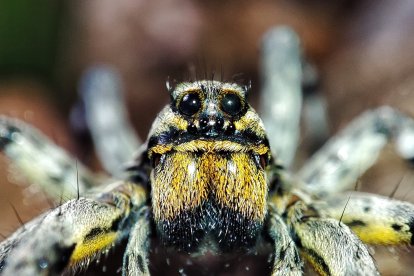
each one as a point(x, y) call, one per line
point(231, 104)
point(190, 104)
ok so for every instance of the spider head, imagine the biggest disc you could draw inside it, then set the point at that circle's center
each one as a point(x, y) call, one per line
point(210, 107)
point(209, 153)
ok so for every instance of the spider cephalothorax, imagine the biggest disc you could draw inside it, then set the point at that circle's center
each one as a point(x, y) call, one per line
point(209, 153)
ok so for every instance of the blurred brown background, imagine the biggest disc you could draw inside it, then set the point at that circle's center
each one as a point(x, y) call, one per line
point(364, 51)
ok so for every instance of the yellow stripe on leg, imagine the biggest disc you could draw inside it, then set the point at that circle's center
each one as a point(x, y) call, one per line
point(93, 246)
point(375, 219)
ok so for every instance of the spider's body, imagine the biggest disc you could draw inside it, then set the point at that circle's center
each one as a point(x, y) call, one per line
point(208, 178)
point(207, 181)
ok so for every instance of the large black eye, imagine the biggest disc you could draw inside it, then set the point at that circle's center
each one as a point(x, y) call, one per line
point(231, 104)
point(190, 104)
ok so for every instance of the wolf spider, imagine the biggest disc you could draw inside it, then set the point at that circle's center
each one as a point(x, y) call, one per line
point(206, 182)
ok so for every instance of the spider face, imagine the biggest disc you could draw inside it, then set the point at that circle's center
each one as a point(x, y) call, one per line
point(209, 153)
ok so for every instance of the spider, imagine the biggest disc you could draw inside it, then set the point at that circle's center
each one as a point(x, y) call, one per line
point(206, 181)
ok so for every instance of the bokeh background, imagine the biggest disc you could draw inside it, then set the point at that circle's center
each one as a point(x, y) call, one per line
point(363, 50)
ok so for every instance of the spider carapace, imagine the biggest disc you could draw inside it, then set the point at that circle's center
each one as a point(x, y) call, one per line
point(209, 154)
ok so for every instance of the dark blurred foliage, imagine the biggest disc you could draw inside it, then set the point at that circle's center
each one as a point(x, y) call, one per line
point(29, 32)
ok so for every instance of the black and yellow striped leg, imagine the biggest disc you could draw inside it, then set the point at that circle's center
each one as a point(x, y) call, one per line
point(330, 246)
point(136, 254)
point(286, 256)
point(375, 219)
point(71, 235)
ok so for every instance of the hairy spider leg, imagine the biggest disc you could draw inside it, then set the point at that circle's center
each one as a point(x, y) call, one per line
point(281, 93)
point(345, 157)
point(43, 163)
point(136, 255)
point(286, 256)
point(375, 219)
point(114, 138)
point(326, 243)
point(331, 247)
point(75, 233)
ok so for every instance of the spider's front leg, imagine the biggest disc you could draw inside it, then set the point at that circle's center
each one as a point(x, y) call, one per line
point(329, 245)
point(287, 260)
point(75, 233)
point(136, 255)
